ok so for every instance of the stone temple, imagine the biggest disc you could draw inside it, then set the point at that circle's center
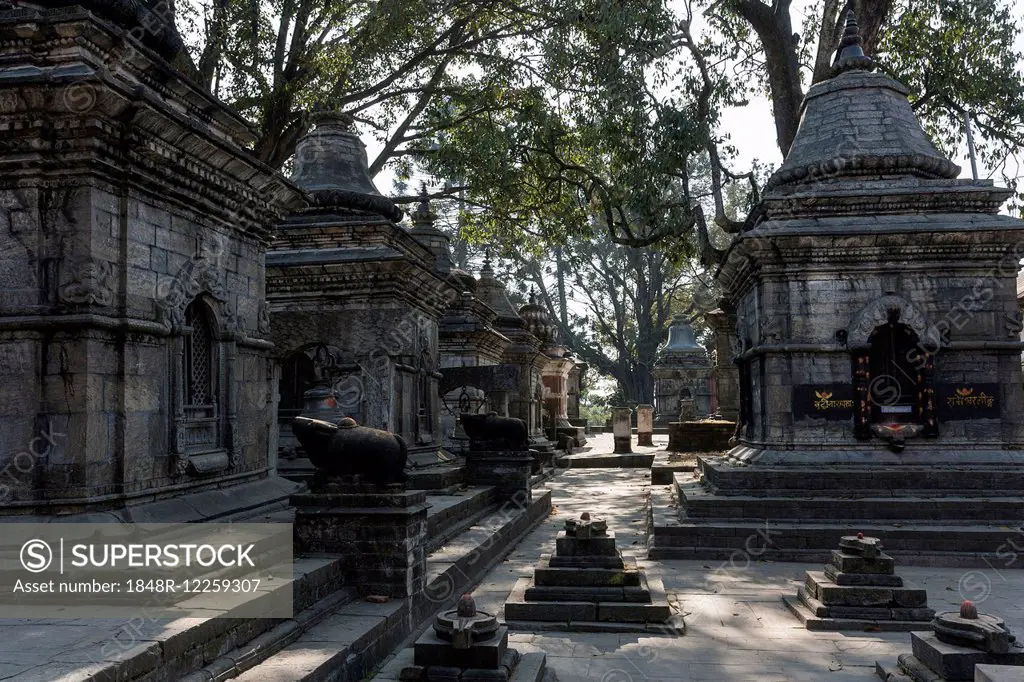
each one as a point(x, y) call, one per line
point(681, 373)
point(879, 348)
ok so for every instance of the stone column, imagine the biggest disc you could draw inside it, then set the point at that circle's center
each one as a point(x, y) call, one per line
point(645, 425)
point(379, 530)
point(622, 429)
point(725, 374)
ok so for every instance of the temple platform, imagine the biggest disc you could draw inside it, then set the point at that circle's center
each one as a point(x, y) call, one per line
point(926, 515)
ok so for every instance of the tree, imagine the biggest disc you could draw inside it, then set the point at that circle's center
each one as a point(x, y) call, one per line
point(617, 308)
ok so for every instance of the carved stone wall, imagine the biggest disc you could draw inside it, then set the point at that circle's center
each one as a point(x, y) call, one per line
point(107, 232)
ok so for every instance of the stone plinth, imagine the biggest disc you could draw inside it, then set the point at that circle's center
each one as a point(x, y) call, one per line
point(622, 430)
point(466, 645)
point(645, 425)
point(508, 470)
point(858, 589)
point(380, 530)
point(700, 436)
point(588, 585)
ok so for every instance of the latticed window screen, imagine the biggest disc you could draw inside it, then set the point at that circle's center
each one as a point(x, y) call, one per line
point(199, 370)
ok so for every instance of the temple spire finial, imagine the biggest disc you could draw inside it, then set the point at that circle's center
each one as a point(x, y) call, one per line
point(423, 217)
point(850, 56)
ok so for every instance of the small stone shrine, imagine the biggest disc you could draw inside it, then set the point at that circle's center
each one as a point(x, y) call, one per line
point(467, 645)
point(587, 586)
point(681, 372)
point(880, 349)
point(358, 507)
point(961, 641)
point(859, 589)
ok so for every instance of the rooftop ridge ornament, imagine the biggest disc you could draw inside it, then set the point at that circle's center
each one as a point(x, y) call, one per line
point(850, 56)
point(423, 217)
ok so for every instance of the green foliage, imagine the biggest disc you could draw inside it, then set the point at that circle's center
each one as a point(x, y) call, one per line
point(957, 57)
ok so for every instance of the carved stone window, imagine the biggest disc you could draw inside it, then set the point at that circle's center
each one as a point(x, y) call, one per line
point(201, 375)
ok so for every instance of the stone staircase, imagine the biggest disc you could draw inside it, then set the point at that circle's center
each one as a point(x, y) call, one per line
point(334, 635)
point(925, 515)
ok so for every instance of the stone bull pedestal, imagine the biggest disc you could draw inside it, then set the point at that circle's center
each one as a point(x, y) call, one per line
point(961, 642)
point(588, 586)
point(858, 590)
point(358, 507)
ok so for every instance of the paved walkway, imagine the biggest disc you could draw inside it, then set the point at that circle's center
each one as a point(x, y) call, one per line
point(737, 627)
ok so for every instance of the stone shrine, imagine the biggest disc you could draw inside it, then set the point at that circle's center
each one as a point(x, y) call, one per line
point(859, 589)
point(961, 642)
point(574, 390)
point(134, 339)
point(525, 353)
point(468, 645)
point(681, 372)
point(344, 274)
point(879, 357)
point(587, 585)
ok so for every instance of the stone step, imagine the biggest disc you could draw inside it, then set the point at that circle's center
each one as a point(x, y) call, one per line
point(635, 460)
point(333, 635)
point(739, 542)
point(520, 610)
point(449, 515)
point(817, 623)
point(350, 644)
point(439, 477)
point(701, 504)
point(830, 594)
point(905, 480)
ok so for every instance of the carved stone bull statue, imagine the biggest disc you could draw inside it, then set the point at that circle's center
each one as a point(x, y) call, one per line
point(491, 432)
point(347, 449)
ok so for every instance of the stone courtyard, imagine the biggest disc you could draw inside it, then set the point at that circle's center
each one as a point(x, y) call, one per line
point(822, 481)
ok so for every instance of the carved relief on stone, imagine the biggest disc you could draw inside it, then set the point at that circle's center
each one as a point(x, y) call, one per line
point(1014, 323)
point(263, 318)
point(201, 274)
point(770, 330)
point(89, 282)
point(879, 312)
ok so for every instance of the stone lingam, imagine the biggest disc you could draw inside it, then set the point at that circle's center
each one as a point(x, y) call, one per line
point(358, 507)
point(469, 645)
point(588, 586)
point(859, 589)
point(962, 640)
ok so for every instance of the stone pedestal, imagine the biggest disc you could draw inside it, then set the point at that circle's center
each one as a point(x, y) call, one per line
point(588, 586)
point(379, 530)
point(859, 589)
point(645, 425)
point(702, 436)
point(962, 643)
point(466, 645)
point(622, 430)
point(508, 470)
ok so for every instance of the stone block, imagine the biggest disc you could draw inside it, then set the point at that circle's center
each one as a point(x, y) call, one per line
point(568, 546)
point(998, 673)
point(877, 579)
point(883, 564)
point(633, 613)
point(443, 674)
point(829, 593)
point(594, 594)
point(431, 650)
point(545, 575)
point(560, 612)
